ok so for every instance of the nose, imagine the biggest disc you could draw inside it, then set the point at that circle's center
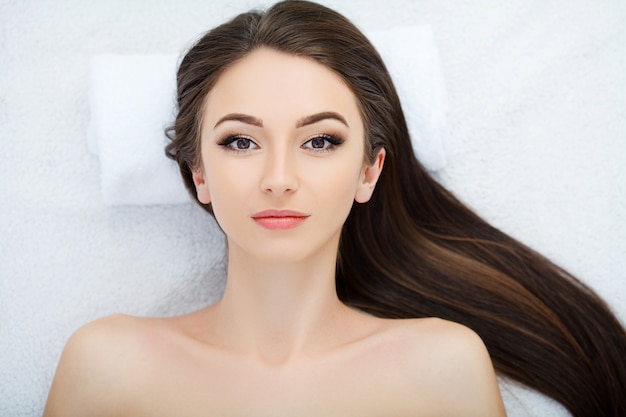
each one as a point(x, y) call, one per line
point(280, 173)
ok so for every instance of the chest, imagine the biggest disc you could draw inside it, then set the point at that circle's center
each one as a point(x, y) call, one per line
point(226, 387)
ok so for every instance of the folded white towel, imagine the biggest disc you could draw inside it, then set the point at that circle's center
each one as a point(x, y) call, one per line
point(132, 100)
point(412, 58)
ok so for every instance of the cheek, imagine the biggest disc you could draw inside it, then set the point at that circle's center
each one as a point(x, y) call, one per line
point(229, 187)
point(336, 187)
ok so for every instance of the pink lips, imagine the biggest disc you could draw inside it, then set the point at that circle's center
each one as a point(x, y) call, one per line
point(279, 219)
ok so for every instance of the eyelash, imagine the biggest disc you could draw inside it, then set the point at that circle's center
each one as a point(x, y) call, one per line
point(333, 140)
point(229, 143)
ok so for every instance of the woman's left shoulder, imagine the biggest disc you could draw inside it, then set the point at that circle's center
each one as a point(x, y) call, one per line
point(453, 347)
point(446, 336)
point(451, 361)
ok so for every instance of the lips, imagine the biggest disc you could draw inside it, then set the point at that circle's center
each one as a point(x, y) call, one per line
point(279, 219)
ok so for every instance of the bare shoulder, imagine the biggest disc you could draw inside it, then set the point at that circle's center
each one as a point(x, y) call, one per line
point(446, 338)
point(99, 367)
point(435, 338)
point(450, 363)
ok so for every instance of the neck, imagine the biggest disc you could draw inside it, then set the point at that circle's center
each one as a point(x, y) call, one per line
point(276, 311)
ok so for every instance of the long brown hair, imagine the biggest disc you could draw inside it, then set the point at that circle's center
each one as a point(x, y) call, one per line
point(414, 250)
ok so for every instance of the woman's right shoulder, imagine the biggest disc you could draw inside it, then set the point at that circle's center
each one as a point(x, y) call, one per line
point(109, 338)
point(100, 365)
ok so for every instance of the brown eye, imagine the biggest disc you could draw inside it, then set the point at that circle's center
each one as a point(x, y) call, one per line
point(322, 143)
point(318, 143)
point(242, 143)
point(238, 144)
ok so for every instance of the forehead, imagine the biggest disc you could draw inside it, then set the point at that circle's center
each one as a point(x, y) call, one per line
point(273, 85)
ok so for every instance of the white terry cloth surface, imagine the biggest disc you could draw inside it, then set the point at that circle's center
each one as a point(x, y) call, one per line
point(536, 144)
point(132, 99)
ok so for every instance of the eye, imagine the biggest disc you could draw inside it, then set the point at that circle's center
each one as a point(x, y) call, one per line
point(238, 143)
point(322, 143)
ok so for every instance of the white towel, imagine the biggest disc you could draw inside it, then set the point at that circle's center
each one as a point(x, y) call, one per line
point(412, 58)
point(132, 100)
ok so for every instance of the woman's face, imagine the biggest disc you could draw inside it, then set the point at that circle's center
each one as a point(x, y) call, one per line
point(282, 156)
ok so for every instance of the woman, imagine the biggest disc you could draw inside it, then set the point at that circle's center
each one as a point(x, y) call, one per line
point(285, 118)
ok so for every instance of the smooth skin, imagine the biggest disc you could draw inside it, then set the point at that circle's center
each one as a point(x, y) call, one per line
point(279, 132)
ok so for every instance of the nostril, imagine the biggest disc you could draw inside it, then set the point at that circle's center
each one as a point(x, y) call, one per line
point(280, 176)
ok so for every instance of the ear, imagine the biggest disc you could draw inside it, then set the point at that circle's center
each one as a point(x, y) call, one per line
point(369, 177)
point(202, 188)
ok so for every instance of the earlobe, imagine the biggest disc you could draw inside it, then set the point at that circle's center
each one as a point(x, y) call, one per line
point(202, 189)
point(370, 176)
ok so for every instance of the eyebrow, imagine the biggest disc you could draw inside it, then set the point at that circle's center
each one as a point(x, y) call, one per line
point(238, 117)
point(305, 121)
point(314, 118)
